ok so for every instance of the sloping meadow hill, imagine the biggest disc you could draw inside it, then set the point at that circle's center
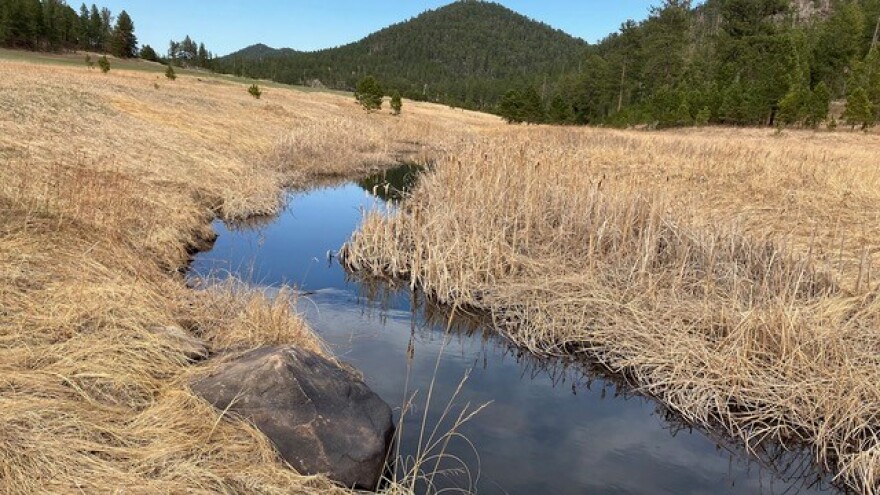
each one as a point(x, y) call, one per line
point(729, 273)
point(107, 183)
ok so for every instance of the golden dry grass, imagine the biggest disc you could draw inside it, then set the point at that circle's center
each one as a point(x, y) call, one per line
point(726, 272)
point(106, 185)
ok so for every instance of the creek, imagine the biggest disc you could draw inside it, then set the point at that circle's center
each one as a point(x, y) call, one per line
point(549, 427)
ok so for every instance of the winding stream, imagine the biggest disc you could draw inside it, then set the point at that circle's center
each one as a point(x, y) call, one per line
point(548, 428)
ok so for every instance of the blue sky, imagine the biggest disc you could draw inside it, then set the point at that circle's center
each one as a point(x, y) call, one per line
point(228, 25)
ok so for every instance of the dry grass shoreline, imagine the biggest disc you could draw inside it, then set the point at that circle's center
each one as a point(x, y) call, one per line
point(107, 184)
point(729, 276)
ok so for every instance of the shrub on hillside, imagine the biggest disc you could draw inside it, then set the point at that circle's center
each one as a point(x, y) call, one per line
point(104, 64)
point(396, 103)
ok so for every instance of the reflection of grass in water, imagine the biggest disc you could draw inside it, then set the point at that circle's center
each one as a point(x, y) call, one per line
point(419, 472)
point(393, 184)
point(790, 464)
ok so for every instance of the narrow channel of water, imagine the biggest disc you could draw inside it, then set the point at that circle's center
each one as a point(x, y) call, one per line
point(547, 429)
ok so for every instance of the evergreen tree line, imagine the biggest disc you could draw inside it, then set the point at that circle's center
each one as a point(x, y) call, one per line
point(52, 25)
point(188, 53)
point(730, 62)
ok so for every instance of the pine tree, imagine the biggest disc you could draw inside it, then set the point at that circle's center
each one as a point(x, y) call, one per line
point(559, 111)
point(96, 29)
point(169, 72)
point(369, 94)
point(202, 59)
point(104, 64)
point(532, 107)
point(124, 43)
point(818, 105)
point(838, 44)
point(510, 107)
point(396, 102)
point(859, 110)
point(682, 116)
point(85, 32)
point(4, 23)
point(872, 77)
point(793, 105)
point(703, 117)
point(148, 53)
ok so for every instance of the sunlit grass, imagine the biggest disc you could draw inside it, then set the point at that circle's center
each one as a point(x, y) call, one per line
point(727, 273)
point(107, 185)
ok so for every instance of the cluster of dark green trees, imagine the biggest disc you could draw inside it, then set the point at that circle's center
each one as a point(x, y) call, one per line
point(188, 53)
point(732, 62)
point(370, 95)
point(52, 25)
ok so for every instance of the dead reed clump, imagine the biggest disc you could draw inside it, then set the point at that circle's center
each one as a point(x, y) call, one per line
point(717, 307)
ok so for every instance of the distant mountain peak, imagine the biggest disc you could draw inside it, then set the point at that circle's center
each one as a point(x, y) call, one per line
point(467, 51)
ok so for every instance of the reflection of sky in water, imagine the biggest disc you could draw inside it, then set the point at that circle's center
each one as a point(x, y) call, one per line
point(536, 436)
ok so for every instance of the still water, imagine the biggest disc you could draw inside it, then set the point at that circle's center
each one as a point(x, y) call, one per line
point(547, 428)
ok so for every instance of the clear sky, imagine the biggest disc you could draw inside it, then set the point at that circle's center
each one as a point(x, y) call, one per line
point(228, 25)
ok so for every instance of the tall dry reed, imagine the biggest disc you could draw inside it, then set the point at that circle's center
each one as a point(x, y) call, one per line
point(671, 259)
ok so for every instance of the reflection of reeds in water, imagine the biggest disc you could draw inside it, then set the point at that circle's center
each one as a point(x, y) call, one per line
point(756, 333)
point(791, 464)
point(432, 467)
point(393, 184)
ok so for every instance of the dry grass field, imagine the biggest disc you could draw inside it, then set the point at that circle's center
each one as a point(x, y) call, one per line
point(107, 183)
point(729, 273)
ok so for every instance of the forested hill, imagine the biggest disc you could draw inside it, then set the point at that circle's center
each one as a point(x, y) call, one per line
point(466, 53)
point(732, 62)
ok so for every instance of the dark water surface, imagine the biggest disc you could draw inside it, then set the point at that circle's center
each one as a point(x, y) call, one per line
point(547, 429)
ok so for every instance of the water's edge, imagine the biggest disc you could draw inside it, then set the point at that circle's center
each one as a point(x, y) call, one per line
point(375, 327)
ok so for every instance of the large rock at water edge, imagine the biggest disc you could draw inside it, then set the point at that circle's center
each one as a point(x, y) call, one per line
point(321, 417)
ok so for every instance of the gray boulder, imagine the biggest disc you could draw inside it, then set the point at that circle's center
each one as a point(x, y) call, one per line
point(321, 417)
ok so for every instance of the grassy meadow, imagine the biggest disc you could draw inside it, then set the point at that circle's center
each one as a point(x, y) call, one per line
point(730, 273)
point(107, 184)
